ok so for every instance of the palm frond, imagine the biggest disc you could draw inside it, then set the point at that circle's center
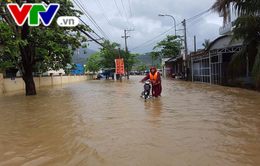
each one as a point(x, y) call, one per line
point(238, 62)
point(248, 6)
point(256, 69)
point(223, 6)
point(251, 7)
point(247, 28)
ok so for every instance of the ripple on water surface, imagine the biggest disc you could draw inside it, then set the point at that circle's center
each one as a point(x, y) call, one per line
point(106, 123)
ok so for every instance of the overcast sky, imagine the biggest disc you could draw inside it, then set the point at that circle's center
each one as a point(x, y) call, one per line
point(146, 22)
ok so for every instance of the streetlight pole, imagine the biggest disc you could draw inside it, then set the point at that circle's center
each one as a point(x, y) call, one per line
point(162, 15)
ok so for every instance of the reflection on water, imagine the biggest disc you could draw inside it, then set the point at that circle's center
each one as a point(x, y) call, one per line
point(106, 123)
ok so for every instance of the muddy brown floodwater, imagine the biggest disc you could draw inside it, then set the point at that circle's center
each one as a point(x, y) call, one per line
point(96, 123)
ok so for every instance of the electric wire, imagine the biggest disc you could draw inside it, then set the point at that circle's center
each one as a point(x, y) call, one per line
point(86, 13)
point(120, 14)
point(131, 14)
point(155, 37)
point(188, 20)
point(106, 17)
point(125, 11)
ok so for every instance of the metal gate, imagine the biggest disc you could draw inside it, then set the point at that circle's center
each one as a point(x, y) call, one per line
point(215, 68)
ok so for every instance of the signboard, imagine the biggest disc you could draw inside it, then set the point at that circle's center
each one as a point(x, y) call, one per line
point(119, 66)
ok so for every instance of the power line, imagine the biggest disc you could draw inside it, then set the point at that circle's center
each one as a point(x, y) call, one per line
point(120, 14)
point(79, 19)
point(198, 20)
point(105, 15)
point(77, 27)
point(125, 12)
point(86, 13)
point(131, 14)
point(190, 19)
point(150, 43)
point(92, 20)
point(90, 17)
point(155, 37)
point(198, 15)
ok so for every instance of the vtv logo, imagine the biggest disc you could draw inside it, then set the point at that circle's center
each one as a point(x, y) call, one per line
point(36, 12)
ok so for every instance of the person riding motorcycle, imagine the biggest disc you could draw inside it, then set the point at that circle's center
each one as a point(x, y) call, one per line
point(155, 79)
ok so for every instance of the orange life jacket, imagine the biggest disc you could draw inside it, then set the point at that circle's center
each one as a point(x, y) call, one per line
point(154, 77)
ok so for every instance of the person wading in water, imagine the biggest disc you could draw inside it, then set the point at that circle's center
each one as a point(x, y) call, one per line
point(155, 79)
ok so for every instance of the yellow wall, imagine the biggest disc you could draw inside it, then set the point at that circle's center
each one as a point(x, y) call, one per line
point(56, 80)
point(45, 81)
point(1, 83)
point(13, 85)
point(8, 85)
point(65, 80)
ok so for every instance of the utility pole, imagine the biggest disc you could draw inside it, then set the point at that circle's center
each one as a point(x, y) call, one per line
point(120, 58)
point(125, 37)
point(78, 56)
point(195, 50)
point(186, 50)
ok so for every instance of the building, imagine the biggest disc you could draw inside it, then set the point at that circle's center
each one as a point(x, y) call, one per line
point(165, 66)
point(210, 65)
point(177, 64)
point(174, 65)
point(227, 26)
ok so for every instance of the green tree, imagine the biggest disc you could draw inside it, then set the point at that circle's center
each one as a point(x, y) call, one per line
point(158, 66)
point(110, 52)
point(154, 56)
point(170, 46)
point(43, 47)
point(142, 68)
point(129, 60)
point(247, 27)
point(93, 63)
point(206, 43)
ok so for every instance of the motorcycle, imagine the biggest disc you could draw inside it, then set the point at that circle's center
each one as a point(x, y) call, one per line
point(146, 93)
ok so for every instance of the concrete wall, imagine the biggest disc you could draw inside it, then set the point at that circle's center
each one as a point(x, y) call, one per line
point(1, 83)
point(8, 84)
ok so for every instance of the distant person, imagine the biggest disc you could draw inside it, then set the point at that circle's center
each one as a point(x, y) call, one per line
point(155, 79)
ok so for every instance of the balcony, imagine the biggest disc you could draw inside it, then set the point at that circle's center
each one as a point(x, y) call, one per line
point(221, 14)
point(226, 29)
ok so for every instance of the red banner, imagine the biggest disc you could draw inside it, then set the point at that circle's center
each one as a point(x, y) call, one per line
point(119, 66)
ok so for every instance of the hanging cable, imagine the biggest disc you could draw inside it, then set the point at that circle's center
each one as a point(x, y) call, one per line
point(125, 12)
point(90, 18)
point(131, 14)
point(120, 14)
point(105, 15)
point(155, 37)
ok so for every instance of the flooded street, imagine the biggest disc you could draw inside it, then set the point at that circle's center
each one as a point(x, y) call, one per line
point(104, 122)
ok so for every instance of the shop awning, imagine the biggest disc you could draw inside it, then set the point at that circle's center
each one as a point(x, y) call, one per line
point(172, 60)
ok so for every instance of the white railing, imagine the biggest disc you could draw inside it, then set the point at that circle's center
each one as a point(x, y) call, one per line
point(225, 29)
